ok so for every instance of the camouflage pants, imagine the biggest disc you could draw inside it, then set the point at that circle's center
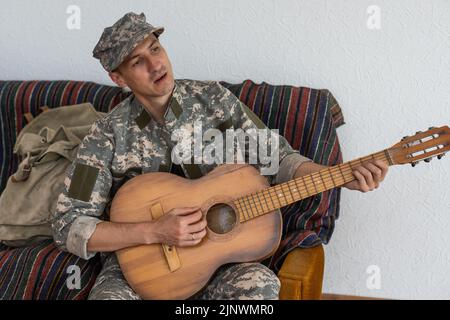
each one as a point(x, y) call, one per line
point(232, 281)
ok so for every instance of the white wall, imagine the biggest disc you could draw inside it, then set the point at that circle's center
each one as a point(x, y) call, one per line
point(390, 82)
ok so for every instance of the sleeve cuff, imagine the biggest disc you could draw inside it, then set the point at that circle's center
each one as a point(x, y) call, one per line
point(288, 167)
point(80, 232)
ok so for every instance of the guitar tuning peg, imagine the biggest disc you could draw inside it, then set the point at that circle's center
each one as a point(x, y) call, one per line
point(440, 156)
point(428, 159)
point(418, 132)
point(431, 128)
point(414, 163)
point(405, 137)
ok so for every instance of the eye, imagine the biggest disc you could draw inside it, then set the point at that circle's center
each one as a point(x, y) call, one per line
point(155, 49)
point(137, 62)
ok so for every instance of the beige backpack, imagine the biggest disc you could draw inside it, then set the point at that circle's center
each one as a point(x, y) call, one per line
point(45, 147)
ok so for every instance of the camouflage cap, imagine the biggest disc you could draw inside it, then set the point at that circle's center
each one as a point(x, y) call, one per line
point(119, 40)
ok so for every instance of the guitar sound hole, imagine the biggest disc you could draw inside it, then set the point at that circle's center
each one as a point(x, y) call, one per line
point(221, 218)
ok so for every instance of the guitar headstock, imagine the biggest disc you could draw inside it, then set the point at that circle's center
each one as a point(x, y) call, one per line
point(434, 142)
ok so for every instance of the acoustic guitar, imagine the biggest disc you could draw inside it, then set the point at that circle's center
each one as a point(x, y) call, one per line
point(243, 223)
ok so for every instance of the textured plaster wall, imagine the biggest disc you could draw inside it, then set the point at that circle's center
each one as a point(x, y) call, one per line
point(390, 82)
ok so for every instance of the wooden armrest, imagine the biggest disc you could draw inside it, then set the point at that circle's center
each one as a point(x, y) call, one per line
point(301, 274)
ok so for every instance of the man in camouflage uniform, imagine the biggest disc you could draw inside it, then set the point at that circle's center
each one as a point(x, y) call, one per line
point(136, 137)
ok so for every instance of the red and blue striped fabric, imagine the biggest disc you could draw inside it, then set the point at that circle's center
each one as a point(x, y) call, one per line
point(41, 272)
point(306, 117)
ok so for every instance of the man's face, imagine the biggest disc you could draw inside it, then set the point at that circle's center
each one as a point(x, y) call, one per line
point(147, 71)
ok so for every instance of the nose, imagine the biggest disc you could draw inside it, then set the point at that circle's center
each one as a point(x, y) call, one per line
point(153, 64)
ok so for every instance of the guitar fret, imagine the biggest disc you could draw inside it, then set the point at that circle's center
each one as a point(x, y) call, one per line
point(269, 191)
point(307, 184)
point(248, 207)
point(240, 209)
point(261, 210)
point(332, 177)
point(314, 185)
point(244, 207)
point(283, 193)
point(349, 175)
point(296, 181)
point(286, 185)
point(306, 187)
point(278, 195)
point(254, 205)
point(275, 196)
point(351, 165)
point(324, 178)
point(343, 169)
point(323, 182)
point(292, 188)
point(388, 157)
point(342, 174)
point(247, 213)
point(252, 214)
point(259, 204)
point(265, 200)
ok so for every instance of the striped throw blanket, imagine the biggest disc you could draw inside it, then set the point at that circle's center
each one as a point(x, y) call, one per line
point(43, 272)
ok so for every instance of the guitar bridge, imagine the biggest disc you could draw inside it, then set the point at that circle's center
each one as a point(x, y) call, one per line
point(170, 252)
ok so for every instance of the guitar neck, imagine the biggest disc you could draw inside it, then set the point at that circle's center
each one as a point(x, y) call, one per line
point(281, 195)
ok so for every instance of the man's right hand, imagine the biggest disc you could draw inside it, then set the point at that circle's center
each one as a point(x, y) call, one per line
point(181, 227)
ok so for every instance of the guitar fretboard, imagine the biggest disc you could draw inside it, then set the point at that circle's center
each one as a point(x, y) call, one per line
point(283, 194)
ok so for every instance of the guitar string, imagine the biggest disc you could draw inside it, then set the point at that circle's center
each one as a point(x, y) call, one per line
point(271, 192)
point(315, 175)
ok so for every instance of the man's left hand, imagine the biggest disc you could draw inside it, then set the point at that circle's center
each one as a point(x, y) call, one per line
point(368, 176)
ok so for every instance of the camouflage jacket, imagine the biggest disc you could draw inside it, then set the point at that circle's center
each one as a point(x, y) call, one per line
point(128, 142)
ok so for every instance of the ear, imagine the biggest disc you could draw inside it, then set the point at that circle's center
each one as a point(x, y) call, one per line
point(117, 78)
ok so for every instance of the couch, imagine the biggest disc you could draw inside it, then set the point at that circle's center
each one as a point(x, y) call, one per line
point(306, 117)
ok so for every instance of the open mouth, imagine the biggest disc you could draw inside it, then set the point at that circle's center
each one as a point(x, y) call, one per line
point(161, 78)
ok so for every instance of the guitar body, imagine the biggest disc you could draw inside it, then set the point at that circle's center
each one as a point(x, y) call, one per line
point(228, 239)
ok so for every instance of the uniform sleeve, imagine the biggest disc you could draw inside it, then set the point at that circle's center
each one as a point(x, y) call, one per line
point(288, 159)
point(85, 193)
